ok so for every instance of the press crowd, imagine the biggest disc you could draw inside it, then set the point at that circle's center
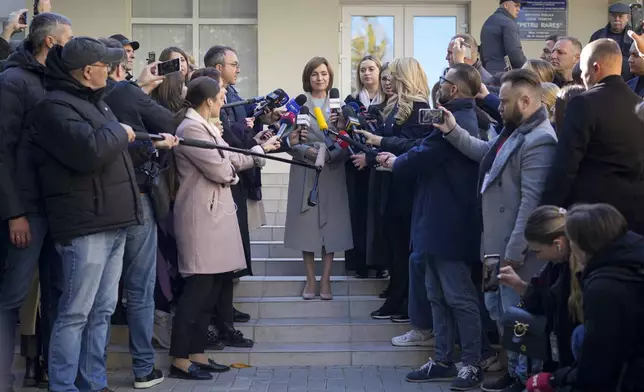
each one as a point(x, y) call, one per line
point(504, 204)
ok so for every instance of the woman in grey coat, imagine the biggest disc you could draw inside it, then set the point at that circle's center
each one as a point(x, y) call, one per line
point(325, 227)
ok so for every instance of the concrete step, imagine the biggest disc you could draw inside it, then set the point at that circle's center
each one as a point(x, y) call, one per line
point(296, 354)
point(269, 179)
point(268, 233)
point(275, 218)
point(304, 330)
point(292, 266)
point(292, 286)
point(276, 249)
point(274, 192)
point(274, 205)
point(291, 307)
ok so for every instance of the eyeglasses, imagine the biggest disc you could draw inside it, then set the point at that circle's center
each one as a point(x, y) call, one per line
point(234, 65)
point(444, 80)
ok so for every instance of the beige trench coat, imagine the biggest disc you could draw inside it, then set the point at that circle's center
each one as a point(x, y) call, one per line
point(205, 218)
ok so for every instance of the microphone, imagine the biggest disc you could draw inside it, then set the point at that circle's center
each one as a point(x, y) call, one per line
point(357, 107)
point(334, 101)
point(346, 138)
point(303, 120)
point(319, 164)
point(295, 105)
point(353, 123)
point(287, 119)
point(344, 145)
point(324, 127)
point(366, 124)
point(273, 100)
point(248, 101)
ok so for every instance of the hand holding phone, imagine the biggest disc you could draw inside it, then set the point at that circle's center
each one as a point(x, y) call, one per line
point(168, 67)
point(431, 116)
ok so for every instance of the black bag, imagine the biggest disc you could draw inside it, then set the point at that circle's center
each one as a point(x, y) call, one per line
point(525, 333)
point(158, 186)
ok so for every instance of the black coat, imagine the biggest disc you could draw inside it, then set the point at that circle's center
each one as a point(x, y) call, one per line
point(500, 38)
point(446, 207)
point(612, 352)
point(21, 87)
point(5, 49)
point(135, 108)
point(624, 43)
point(80, 150)
point(600, 154)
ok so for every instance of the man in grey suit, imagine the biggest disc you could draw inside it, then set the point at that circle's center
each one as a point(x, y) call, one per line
point(512, 172)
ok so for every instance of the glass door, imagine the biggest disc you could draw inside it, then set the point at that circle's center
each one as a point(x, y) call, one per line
point(377, 31)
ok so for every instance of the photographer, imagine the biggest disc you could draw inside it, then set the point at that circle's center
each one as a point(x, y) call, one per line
point(91, 197)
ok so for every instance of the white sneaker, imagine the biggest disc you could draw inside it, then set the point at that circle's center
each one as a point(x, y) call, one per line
point(162, 328)
point(415, 337)
point(492, 364)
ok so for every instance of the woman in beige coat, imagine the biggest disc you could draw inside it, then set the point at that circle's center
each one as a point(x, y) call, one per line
point(208, 238)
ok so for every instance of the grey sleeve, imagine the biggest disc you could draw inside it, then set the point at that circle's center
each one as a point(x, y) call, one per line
point(512, 45)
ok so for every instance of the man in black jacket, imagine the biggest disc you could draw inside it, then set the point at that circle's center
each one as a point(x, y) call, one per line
point(500, 38)
point(135, 108)
point(24, 230)
point(91, 197)
point(618, 15)
point(600, 154)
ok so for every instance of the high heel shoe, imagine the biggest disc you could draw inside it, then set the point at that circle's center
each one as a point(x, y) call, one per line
point(326, 296)
point(308, 295)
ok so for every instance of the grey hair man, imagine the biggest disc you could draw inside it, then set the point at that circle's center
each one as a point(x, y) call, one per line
point(463, 48)
point(24, 227)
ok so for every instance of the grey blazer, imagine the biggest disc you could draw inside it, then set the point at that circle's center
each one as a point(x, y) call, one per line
point(512, 188)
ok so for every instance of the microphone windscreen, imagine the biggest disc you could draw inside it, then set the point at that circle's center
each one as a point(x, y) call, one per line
point(319, 117)
point(347, 111)
point(305, 110)
point(300, 99)
point(282, 97)
point(288, 118)
point(354, 106)
point(321, 158)
point(334, 93)
point(343, 143)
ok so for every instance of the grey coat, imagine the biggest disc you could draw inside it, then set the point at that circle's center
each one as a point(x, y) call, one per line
point(327, 225)
point(500, 38)
point(512, 188)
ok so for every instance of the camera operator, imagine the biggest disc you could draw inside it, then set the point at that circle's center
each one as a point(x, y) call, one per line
point(135, 108)
point(24, 227)
point(91, 197)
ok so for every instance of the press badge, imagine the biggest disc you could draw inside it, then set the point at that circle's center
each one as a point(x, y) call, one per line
point(554, 347)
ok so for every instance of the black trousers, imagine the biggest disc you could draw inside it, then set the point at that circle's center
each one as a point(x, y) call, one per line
point(190, 324)
point(397, 233)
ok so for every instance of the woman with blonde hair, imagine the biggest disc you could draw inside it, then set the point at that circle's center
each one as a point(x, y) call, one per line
point(400, 132)
point(542, 68)
point(549, 93)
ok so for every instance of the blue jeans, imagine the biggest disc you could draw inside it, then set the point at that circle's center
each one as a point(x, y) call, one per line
point(497, 303)
point(454, 302)
point(139, 278)
point(91, 269)
point(16, 274)
point(419, 308)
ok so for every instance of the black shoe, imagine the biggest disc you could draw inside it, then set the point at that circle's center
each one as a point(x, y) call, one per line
point(212, 366)
point(384, 294)
point(212, 339)
point(234, 338)
point(469, 377)
point(194, 373)
point(382, 274)
point(32, 368)
point(385, 313)
point(240, 317)
point(499, 385)
point(402, 319)
point(152, 379)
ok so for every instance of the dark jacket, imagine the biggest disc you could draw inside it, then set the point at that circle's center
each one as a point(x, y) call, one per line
point(21, 87)
point(613, 291)
point(601, 140)
point(637, 85)
point(86, 174)
point(397, 190)
point(500, 38)
point(624, 43)
point(5, 49)
point(445, 222)
point(135, 108)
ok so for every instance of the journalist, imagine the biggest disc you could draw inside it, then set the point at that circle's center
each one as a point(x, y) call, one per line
point(24, 228)
point(91, 197)
point(135, 108)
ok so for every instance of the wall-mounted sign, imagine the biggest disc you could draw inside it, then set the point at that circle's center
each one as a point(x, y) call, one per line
point(540, 19)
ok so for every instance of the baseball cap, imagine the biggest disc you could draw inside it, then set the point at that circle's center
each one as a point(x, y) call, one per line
point(125, 41)
point(619, 8)
point(80, 52)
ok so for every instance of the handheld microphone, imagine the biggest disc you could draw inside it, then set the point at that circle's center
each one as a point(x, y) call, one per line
point(303, 120)
point(295, 105)
point(366, 124)
point(273, 100)
point(287, 119)
point(248, 101)
point(334, 101)
point(353, 123)
point(357, 107)
point(324, 127)
point(346, 138)
point(319, 164)
point(344, 145)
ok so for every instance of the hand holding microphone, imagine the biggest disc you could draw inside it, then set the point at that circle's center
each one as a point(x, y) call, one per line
point(359, 160)
point(131, 136)
point(303, 122)
point(386, 160)
point(370, 138)
point(272, 144)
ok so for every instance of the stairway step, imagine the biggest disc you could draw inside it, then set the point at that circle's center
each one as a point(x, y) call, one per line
point(276, 249)
point(274, 205)
point(268, 233)
point(289, 307)
point(296, 354)
point(292, 266)
point(291, 286)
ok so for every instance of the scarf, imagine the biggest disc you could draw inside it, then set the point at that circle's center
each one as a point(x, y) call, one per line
point(363, 96)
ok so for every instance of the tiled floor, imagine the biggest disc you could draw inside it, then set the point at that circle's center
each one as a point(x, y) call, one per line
point(289, 379)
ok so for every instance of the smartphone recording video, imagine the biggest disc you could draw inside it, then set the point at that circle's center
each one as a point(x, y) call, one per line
point(431, 116)
point(152, 57)
point(23, 18)
point(637, 17)
point(168, 67)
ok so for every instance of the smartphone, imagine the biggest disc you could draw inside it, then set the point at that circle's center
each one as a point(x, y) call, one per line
point(168, 67)
point(23, 18)
point(637, 17)
point(152, 57)
point(431, 116)
point(508, 64)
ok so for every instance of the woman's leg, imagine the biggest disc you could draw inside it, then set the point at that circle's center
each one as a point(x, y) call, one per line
point(309, 263)
point(325, 282)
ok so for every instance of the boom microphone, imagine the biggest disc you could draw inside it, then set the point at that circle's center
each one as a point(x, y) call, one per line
point(273, 100)
point(248, 101)
point(319, 164)
point(287, 119)
point(344, 145)
point(346, 138)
